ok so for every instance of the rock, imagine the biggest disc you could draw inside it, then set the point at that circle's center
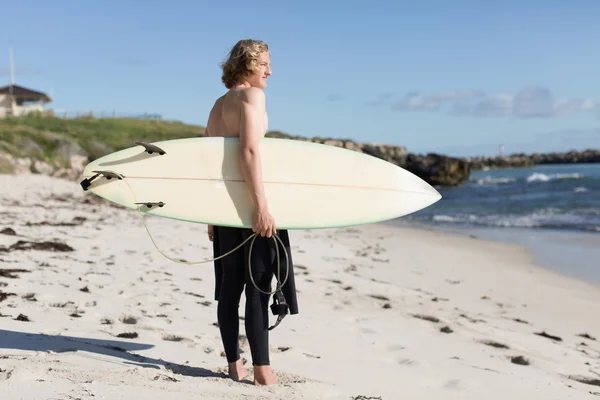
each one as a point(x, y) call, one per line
point(64, 173)
point(393, 154)
point(10, 164)
point(42, 167)
point(434, 169)
point(8, 231)
point(78, 162)
point(66, 149)
point(6, 164)
point(438, 170)
point(571, 157)
point(44, 246)
point(22, 166)
point(524, 160)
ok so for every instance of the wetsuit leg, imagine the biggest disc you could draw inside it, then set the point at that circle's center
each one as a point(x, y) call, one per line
point(232, 286)
point(257, 303)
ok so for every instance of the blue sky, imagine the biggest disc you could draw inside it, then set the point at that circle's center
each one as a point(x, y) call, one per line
point(454, 77)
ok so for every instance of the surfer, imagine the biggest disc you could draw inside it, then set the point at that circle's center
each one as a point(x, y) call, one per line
point(241, 112)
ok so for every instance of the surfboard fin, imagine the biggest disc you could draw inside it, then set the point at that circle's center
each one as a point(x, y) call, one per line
point(85, 184)
point(151, 148)
point(150, 204)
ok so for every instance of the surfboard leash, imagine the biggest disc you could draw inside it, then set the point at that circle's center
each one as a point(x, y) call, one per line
point(278, 300)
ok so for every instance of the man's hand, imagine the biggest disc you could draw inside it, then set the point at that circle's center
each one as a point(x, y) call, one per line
point(211, 232)
point(263, 223)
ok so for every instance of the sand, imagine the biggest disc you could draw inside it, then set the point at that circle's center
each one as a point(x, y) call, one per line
point(90, 308)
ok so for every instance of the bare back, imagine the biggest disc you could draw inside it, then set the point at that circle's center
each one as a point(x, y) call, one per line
point(225, 117)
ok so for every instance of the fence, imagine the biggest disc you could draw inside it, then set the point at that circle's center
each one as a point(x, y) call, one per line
point(72, 114)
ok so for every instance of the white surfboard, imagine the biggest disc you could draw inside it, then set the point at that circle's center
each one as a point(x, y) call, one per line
point(307, 185)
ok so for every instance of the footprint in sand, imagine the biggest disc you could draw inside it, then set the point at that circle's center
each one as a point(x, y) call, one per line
point(520, 360)
point(446, 329)
point(495, 344)
point(586, 336)
point(585, 380)
point(426, 318)
point(546, 335)
point(128, 319)
point(169, 337)
point(453, 384)
point(472, 320)
point(396, 347)
point(407, 361)
point(311, 355)
point(23, 318)
point(5, 374)
point(128, 335)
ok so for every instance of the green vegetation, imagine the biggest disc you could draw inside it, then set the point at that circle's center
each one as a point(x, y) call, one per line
point(52, 139)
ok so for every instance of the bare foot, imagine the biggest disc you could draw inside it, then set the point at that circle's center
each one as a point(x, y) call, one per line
point(237, 370)
point(263, 375)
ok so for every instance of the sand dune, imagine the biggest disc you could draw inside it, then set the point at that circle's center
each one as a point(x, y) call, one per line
point(89, 308)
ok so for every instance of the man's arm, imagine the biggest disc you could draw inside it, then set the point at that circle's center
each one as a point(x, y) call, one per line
point(251, 131)
point(210, 228)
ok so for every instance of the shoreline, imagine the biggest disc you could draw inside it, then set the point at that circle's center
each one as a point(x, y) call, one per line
point(560, 251)
point(440, 315)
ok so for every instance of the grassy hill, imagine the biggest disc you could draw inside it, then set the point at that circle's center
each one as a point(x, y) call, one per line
point(46, 138)
point(48, 144)
point(53, 140)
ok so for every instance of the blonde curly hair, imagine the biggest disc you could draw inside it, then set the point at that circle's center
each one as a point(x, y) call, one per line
point(241, 60)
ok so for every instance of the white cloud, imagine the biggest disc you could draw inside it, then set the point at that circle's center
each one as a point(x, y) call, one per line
point(531, 102)
point(415, 101)
point(383, 99)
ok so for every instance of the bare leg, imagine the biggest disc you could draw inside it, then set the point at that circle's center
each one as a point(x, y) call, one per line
point(263, 375)
point(237, 370)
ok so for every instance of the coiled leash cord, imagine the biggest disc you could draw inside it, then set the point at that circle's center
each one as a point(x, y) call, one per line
point(279, 307)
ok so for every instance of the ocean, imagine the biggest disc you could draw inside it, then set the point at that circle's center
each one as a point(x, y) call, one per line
point(554, 210)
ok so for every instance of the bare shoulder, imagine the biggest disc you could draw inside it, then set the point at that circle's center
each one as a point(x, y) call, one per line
point(213, 117)
point(253, 95)
point(218, 104)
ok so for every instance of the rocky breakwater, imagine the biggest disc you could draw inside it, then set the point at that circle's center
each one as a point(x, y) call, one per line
point(528, 160)
point(66, 159)
point(435, 169)
point(571, 157)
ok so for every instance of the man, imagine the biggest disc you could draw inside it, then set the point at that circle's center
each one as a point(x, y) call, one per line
point(241, 112)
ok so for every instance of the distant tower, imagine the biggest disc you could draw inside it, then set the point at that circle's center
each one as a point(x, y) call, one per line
point(11, 65)
point(501, 152)
point(17, 100)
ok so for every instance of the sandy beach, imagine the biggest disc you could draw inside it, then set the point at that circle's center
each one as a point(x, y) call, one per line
point(90, 309)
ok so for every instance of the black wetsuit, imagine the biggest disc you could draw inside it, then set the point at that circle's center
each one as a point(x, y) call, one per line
point(232, 275)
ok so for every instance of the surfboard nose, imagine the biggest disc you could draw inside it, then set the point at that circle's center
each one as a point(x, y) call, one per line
point(434, 192)
point(424, 187)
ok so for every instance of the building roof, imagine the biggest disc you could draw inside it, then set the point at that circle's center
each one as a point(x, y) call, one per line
point(24, 93)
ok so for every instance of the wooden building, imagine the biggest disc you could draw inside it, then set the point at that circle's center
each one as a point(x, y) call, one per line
point(17, 100)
